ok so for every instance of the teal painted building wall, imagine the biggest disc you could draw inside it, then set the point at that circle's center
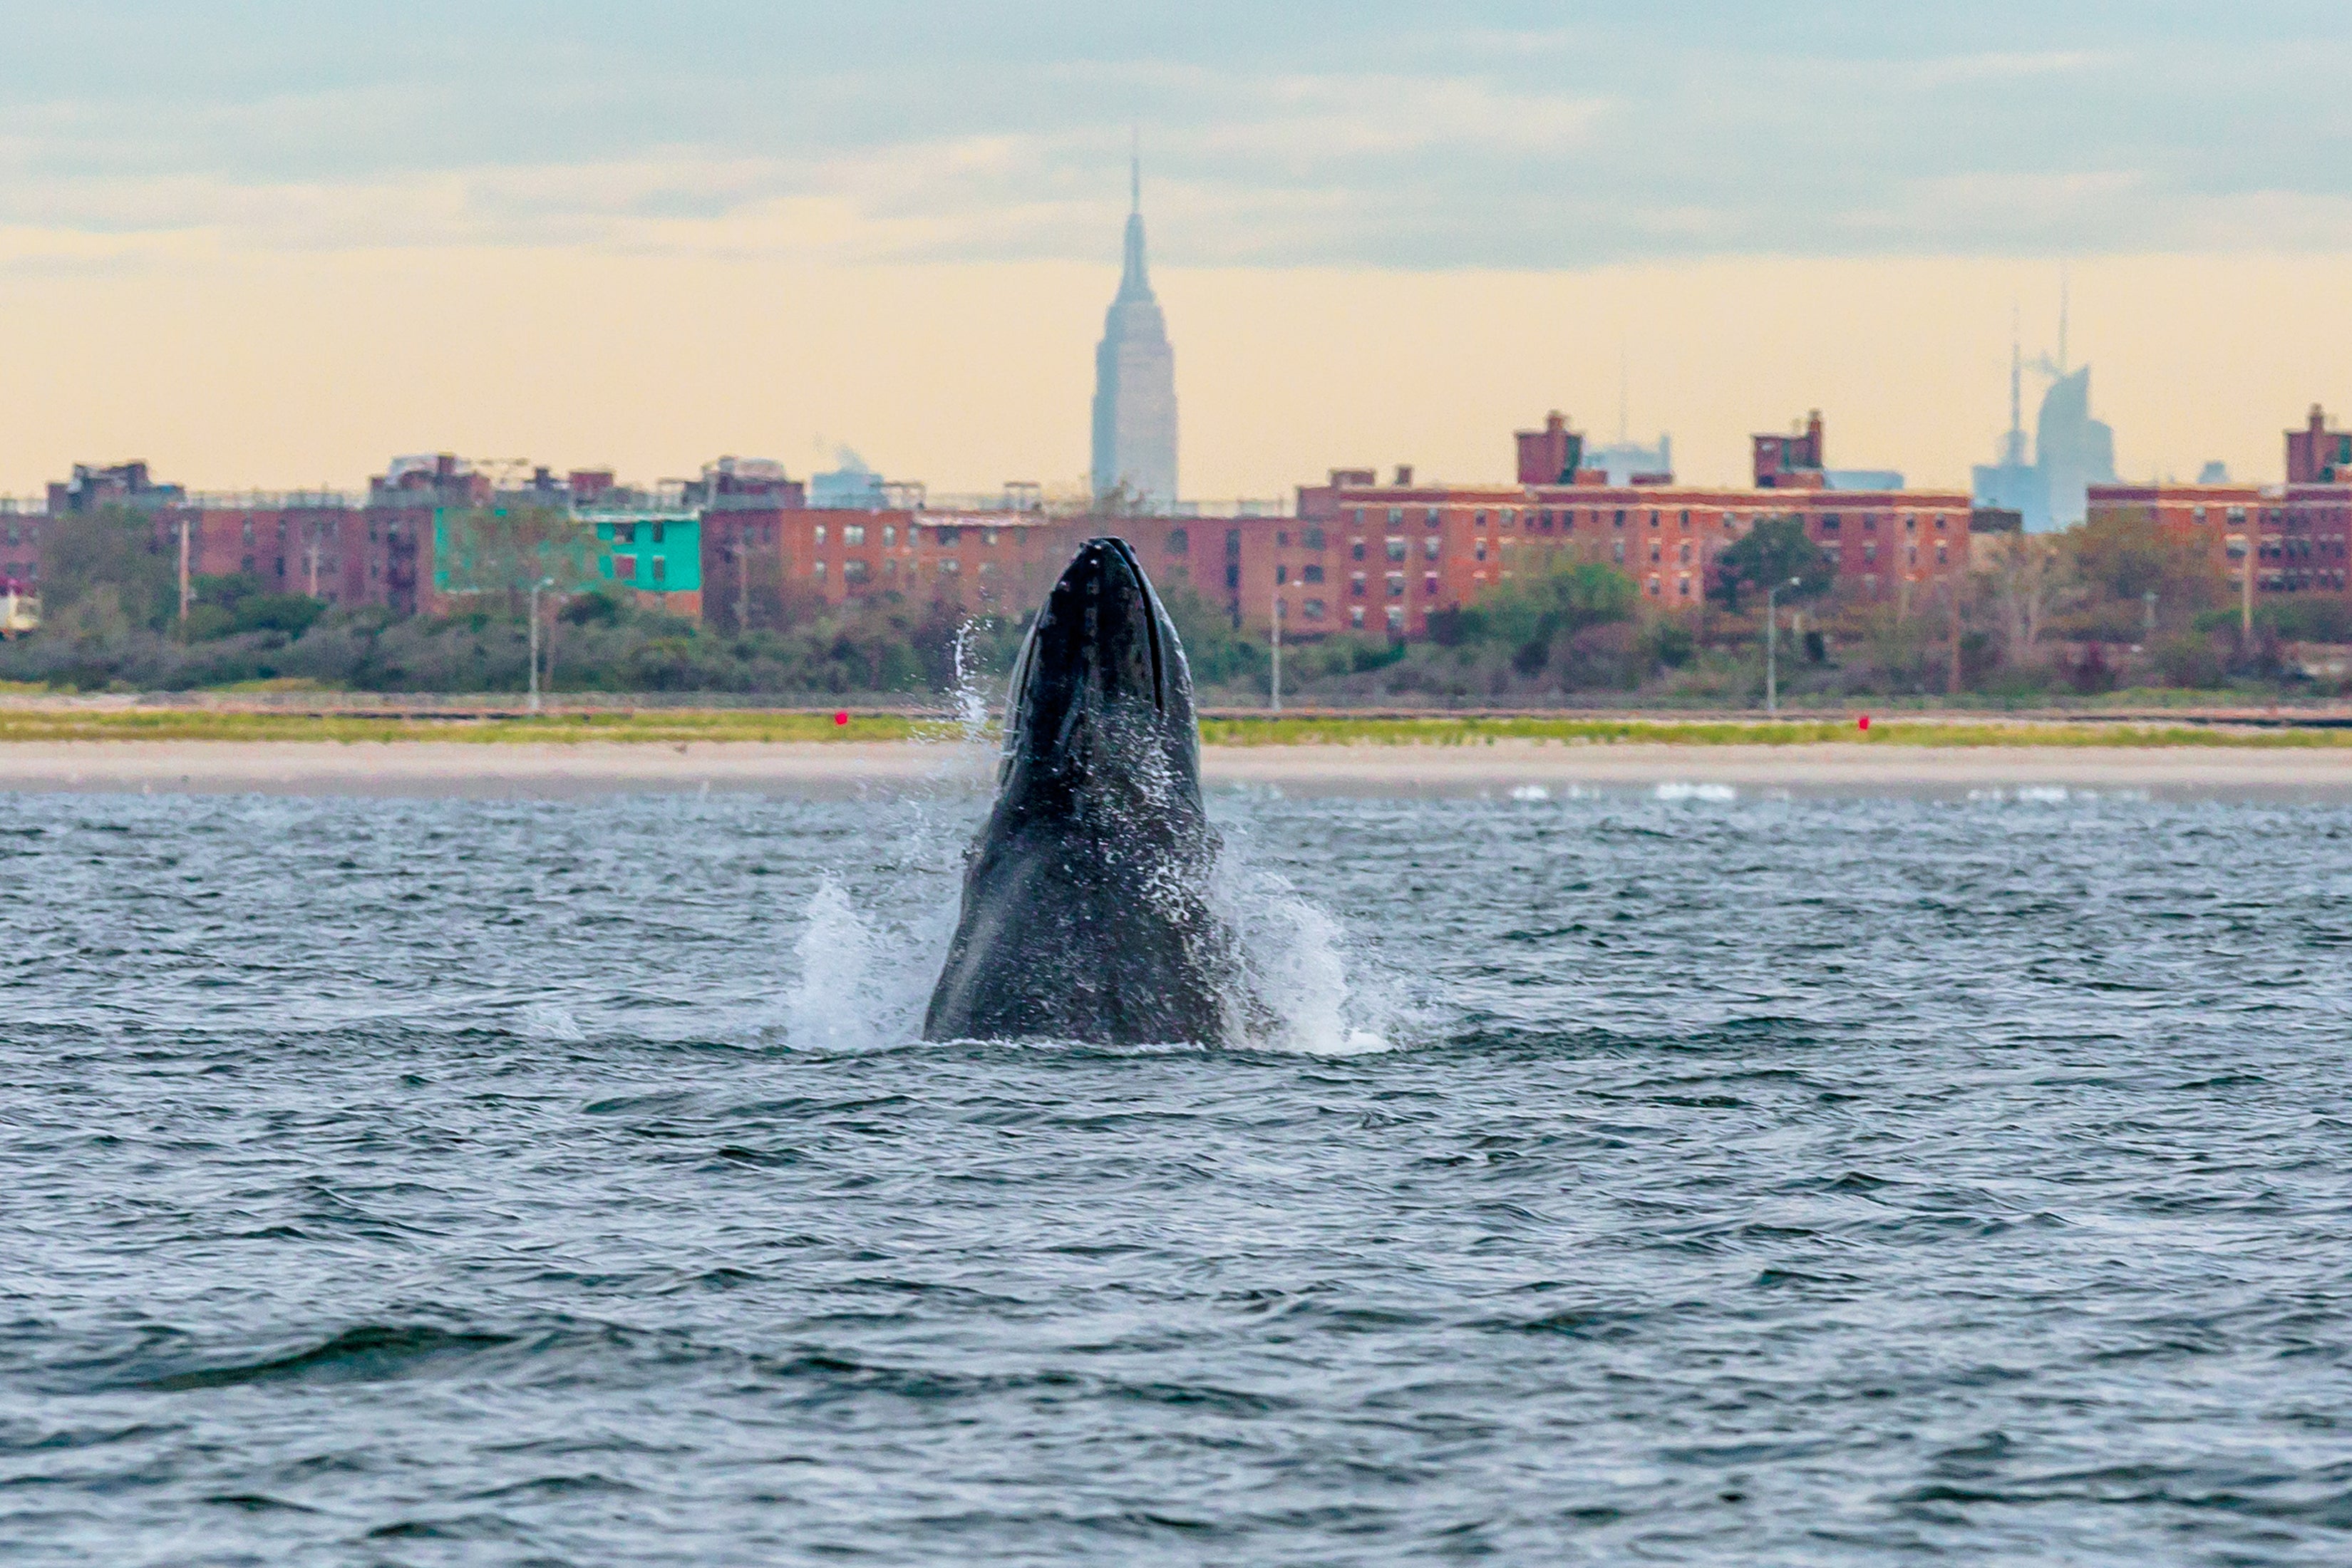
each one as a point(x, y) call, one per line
point(656, 553)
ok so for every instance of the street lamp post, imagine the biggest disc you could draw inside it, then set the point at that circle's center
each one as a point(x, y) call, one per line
point(535, 588)
point(1773, 649)
point(1276, 686)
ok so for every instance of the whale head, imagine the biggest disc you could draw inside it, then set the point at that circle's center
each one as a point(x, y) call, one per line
point(1101, 699)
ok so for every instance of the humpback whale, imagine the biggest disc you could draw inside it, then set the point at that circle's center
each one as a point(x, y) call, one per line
point(1086, 911)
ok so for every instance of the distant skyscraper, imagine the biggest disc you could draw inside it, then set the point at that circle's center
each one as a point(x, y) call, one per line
point(1134, 383)
point(2071, 450)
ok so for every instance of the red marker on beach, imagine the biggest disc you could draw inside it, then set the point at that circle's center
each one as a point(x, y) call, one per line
point(842, 717)
point(1862, 722)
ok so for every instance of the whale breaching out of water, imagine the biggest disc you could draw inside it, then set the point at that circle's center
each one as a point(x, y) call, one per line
point(1085, 900)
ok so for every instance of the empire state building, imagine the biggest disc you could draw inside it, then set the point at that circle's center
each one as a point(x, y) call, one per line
point(1135, 383)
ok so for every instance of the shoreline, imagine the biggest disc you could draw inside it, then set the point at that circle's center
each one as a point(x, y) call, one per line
point(531, 770)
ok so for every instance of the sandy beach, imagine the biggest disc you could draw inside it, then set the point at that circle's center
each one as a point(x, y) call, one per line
point(532, 770)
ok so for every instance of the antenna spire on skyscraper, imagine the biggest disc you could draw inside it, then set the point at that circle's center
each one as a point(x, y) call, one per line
point(1135, 170)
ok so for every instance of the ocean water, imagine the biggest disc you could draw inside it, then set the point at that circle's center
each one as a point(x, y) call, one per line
point(1683, 1176)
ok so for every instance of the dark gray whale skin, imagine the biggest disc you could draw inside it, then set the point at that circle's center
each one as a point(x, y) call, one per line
point(1086, 912)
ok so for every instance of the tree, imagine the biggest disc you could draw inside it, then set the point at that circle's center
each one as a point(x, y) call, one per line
point(2026, 577)
point(114, 548)
point(505, 550)
point(1773, 552)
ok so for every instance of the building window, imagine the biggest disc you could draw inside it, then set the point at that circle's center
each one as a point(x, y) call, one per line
point(890, 535)
point(1178, 542)
point(1619, 521)
point(1682, 585)
point(1686, 519)
point(854, 572)
point(987, 536)
point(1432, 517)
point(624, 533)
point(1396, 584)
point(1429, 583)
point(1396, 549)
point(625, 567)
point(1311, 573)
point(1281, 574)
point(1312, 609)
point(1360, 517)
point(946, 536)
point(820, 533)
point(1910, 523)
point(1356, 616)
point(1478, 520)
point(1619, 551)
point(1942, 557)
point(1356, 585)
point(1429, 547)
point(950, 566)
point(1396, 517)
point(1314, 539)
point(1914, 553)
point(658, 533)
point(1941, 522)
point(1829, 522)
point(1654, 586)
point(1686, 552)
point(1396, 621)
point(1356, 549)
point(853, 534)
point(661, 570)
point(1482, 549)
point(1869, 551)
point(816, 570)
point(1653, 519)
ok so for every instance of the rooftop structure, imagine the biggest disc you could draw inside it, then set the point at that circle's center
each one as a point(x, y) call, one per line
point(2317, 455)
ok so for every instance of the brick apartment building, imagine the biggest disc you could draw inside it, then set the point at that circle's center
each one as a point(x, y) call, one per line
point(1364, 556)
point(2300, 532)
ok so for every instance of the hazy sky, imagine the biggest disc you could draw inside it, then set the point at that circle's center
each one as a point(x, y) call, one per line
point(272, 244)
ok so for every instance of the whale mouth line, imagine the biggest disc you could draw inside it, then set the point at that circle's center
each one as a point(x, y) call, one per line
point(1126, 554)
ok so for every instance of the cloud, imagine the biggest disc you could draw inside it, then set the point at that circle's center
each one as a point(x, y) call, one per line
point(1364, 136)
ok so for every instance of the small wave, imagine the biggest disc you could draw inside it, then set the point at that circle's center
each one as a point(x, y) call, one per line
point(1531, 792)
point(367, 1354)
point(548, 1021)
point(1712, 792)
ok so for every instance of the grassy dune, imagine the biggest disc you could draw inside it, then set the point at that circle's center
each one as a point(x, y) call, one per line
point(681, 726)
point(1336, 731)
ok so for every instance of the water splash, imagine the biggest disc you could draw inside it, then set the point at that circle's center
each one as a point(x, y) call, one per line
point(1295, 967)
point(861, 986)
point(969, 696)
point(1713, 792)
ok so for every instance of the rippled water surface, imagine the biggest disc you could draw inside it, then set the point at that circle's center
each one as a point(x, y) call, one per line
point(1679, 1179)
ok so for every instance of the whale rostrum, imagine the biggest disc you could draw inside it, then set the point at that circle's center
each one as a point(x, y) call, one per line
point(1086, 909)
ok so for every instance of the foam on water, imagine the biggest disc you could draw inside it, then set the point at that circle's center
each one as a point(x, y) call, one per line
point(1711, 791)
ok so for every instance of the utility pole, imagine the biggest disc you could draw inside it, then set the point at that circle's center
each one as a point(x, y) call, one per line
point(1772, 650)
point(2246, 585)
point(1952, 682)
point(742, 579)
point(1277, 651)
point(535, 588)
point(183, 575)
